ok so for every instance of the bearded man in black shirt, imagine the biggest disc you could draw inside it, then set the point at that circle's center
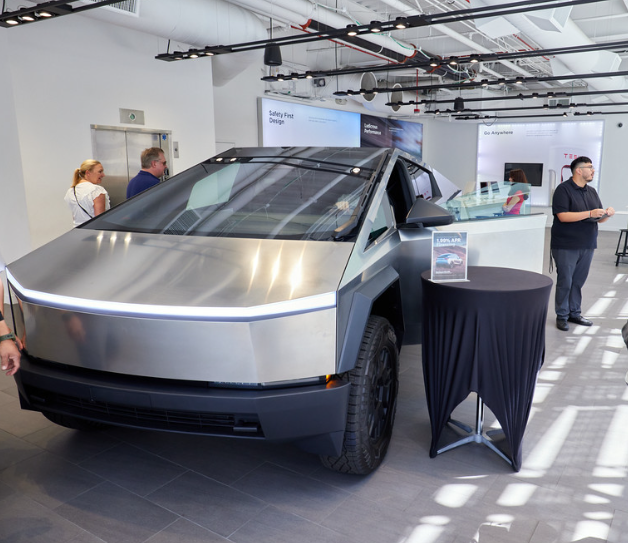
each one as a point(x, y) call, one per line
point(577, 209)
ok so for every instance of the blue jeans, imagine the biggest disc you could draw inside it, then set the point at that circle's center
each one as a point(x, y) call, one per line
point(572, 267)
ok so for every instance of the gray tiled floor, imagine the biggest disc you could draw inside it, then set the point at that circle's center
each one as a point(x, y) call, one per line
point(121, 485)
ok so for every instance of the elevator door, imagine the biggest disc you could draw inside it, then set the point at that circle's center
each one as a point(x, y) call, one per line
point(119, 150)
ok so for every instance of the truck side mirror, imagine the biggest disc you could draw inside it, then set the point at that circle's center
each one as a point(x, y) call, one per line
point(424, 214)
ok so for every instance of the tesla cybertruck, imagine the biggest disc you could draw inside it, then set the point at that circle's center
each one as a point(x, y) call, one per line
point(263, 294)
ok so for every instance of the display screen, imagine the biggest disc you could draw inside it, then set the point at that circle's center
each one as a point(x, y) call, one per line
point(533, 171)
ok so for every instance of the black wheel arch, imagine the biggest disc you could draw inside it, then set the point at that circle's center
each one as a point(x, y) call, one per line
point(381, 296)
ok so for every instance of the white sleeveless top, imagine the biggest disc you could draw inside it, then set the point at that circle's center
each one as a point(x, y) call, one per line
point(82, 205)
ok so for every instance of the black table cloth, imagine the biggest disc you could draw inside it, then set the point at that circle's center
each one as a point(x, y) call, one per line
point(484, 335)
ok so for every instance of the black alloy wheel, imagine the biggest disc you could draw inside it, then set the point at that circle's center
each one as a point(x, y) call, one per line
point(372, 401)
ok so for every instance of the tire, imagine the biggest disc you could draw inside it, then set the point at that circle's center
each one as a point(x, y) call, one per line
point(73, 422)
point(372, 401)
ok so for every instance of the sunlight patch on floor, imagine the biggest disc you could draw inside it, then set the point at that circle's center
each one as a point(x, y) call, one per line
point(455, 496)
point(516, 494)
point(614, 449)
point(600, 307)
point(590, 530)
point(546, 451)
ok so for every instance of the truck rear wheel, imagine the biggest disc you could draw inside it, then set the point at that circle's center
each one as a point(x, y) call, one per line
point(372, 401)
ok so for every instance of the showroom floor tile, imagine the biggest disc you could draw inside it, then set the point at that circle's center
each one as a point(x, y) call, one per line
point(123, 485)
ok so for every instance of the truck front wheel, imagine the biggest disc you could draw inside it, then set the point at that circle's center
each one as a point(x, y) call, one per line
point(372, 401)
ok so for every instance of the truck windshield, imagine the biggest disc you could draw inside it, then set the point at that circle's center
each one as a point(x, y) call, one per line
point(291, 197)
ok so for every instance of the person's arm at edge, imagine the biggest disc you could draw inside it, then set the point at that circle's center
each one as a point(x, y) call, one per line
point(575, 216)
point(99, 205)
point(9, 353)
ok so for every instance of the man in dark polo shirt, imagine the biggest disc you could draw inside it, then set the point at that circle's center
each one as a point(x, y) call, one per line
point(153, 167)
point(577, 209)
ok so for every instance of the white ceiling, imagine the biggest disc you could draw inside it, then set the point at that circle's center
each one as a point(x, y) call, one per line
point(201, 23)
point(601, 22)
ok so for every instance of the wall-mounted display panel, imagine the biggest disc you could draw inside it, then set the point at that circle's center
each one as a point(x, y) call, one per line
point(285, 124)
point(290, 124)
point(385, 132)
point(554, 145)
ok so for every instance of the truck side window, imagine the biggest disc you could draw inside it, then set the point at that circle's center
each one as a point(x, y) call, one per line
point(382, 221)
point(399, 193)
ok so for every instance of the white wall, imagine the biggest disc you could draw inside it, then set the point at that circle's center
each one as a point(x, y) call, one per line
point(72, 72)
point(451, 148)
point(235, 110)
point(14, 225)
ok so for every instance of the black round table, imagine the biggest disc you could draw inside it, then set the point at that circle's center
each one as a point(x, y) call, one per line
point(485, 335)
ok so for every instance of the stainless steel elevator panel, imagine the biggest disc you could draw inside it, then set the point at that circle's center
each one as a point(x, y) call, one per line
point(119, 150)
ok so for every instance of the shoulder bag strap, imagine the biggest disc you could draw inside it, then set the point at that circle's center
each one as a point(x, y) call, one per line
point(76, 198)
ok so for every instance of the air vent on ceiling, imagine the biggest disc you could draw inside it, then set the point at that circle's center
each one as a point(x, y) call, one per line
point(127, 6)
point(558, 102)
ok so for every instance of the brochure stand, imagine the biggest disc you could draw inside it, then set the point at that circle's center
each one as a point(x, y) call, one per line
point(449, 256)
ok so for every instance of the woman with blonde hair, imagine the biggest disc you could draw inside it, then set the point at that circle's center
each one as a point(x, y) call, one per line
point(86, 198)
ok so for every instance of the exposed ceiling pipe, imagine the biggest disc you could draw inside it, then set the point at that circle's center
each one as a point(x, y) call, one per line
point(268, 10)
point(571, 35)
point(408, 11)
point(196, 23)
point(308, 13)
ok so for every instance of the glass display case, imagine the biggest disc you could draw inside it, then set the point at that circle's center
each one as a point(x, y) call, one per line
point(492, 199)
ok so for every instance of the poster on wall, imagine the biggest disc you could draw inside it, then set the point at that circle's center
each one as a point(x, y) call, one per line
point(548, 147)
point(449, 256)
point(384, 132)
point(289, 124)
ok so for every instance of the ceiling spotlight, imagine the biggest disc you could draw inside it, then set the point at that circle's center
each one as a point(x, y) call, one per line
point(474, 59)
point(589, 113)
point(453, 61)
point(535, 95)
point(355, 170)
point(28, 18)
point(484, 83)
point(434, 63)
point(209, 54)
point(294, 76)
point(565, 114)
point(501, 81)
point(193, 55)
point(572, 105)
point(545, 106)
point(437, 112)
point(44, 14)
point(12, 22)
point(351, 30)
point(519, 81)
point(376, 26)
point(308, 75)
point(401, 23)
